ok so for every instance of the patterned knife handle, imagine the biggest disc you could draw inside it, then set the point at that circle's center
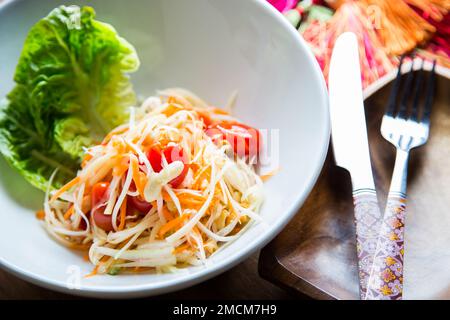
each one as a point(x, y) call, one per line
point(368, 221)
point(386, 276)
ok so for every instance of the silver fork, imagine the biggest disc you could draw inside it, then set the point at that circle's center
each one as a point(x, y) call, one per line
point(406, 125)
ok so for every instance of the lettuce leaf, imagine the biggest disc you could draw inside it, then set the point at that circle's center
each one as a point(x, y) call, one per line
point(72, 87)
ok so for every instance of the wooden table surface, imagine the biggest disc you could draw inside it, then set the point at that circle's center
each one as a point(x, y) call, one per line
point(241, 282)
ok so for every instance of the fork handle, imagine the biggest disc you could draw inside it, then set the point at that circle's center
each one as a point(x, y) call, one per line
point(386, 276)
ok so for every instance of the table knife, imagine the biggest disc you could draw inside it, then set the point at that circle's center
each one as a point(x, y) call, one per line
point(351, 149)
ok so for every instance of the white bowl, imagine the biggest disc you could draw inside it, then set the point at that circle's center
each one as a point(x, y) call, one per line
point(212, 47)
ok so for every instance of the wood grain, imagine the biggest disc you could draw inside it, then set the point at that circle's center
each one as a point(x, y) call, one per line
point(316, 253)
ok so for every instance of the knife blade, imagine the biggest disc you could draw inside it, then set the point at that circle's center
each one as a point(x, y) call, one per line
point(351, 148)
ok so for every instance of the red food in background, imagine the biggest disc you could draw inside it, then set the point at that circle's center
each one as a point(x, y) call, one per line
point(171, 153)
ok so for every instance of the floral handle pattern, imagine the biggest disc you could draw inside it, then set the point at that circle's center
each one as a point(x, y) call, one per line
point(368, 222)
point(386, 279)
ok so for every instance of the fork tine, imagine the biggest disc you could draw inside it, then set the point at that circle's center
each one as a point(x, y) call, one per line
point(417, 92)
point(429, 95)
point(395, 89)
point(402, 113)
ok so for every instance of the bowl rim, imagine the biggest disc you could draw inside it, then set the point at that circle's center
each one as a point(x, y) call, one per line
point(149, 289)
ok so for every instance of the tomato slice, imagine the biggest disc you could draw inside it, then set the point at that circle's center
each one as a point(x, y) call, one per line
point(155, 158)
point(138, 204)
point(171, 153)
point(176, 153)
point(100, 195)
point(245, 140)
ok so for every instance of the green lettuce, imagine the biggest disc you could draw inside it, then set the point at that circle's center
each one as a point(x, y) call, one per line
point(72, 87)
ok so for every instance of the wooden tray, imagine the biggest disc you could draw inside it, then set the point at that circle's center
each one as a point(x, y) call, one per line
point(315, 255)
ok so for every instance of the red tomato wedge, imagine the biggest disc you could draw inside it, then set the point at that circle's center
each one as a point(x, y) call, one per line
point(171, 153)
point(139, 205)
point(155, 158)
point(245, 140)
point(99, 195)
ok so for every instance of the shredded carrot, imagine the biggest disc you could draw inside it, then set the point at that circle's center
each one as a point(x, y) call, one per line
point(182, 248)
point(188, 197)
point(113, 133)
point(195, 230)
point(187, 200)
point(95, 271)
point(80, 247)
point(194, 167)
point(236, 229)
point(69, 213)
point(165, 139)
point(172, 224)
point(191, 202)
point(86, 159)
point(123, 214)
point(269, 175)
point(40, 214)
point(148, 141)
point(172, 109)
point(244, 219)
point(205, 173)
point(191, 239)
point(121, 146)
point(181, 101)
point(122, 166)
point(219, 111)
point(171, 99)
point(167, 214)
point(140, 269)
point(166, 196)
point(216, 199)
point(65, 188)
point(139, 177)
point(205, 116)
